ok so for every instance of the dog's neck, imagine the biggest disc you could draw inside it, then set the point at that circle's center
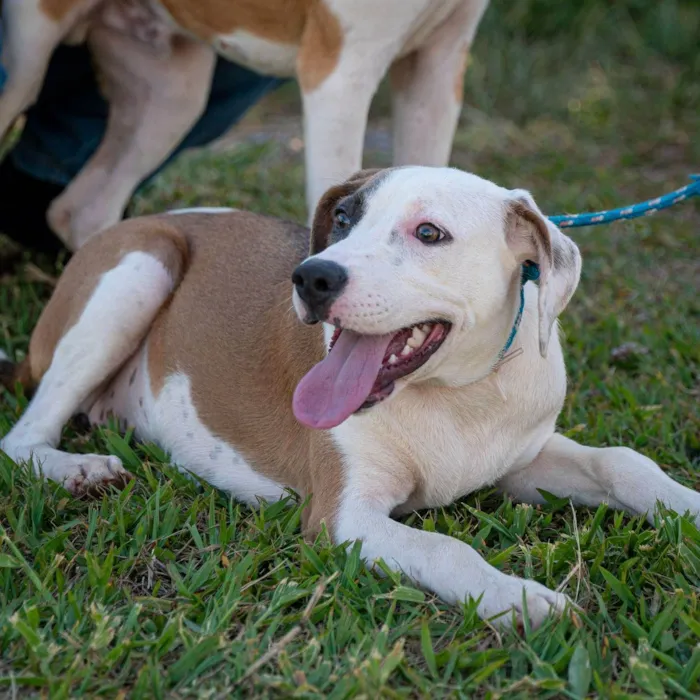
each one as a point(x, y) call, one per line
point(483, 358)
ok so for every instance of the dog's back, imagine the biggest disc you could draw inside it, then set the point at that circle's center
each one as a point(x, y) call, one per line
point(187, 333)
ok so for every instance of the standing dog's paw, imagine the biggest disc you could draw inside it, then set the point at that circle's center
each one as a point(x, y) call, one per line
point(507, 598)
point(90, 475)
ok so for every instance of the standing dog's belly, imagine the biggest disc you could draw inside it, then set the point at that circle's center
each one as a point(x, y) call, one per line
point(257, 53)
point(170, 420)
point(264, 36)
point(264, 41)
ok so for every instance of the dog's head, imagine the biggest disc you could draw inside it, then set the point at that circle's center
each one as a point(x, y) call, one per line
point(416, 272)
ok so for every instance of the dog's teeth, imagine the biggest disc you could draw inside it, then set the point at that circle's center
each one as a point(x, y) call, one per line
point(414, 343)
point(406, 350)
point(426, 328)
point(393, 360)
point(417, 335)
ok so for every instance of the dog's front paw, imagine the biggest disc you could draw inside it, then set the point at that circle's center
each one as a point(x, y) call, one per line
point(90, 475)
point(507, 598)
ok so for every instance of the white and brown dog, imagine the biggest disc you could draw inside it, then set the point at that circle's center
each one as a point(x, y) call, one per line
point(155, 60)
point(183, 325)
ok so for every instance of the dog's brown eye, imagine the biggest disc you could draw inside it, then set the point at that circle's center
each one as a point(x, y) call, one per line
point(342, 220)
point(427, 233)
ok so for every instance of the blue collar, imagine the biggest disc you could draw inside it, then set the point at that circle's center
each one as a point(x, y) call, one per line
point(530, 271)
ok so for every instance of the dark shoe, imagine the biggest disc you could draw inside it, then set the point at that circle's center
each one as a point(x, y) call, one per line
point(23, 204)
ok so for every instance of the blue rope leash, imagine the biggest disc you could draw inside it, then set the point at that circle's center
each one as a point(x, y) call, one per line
point(531, 271)
point(651, 206)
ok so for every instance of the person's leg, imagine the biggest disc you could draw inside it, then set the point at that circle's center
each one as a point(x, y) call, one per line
point(66, 124)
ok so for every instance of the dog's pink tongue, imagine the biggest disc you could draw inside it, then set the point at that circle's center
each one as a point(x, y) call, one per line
point(337, 386)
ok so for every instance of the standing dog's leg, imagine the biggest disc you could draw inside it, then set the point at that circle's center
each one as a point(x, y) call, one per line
point(335, 119)
point(155, 98)
point(336, 103)
point(616, 475)
point(101, 310)
point(30, 36)
point(444, 565)
point(427, 87)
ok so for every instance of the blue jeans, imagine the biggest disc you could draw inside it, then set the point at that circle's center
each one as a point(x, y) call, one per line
point(67, 122)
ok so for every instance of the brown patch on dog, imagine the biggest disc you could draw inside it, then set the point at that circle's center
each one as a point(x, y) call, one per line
point(308, 24)
point(320, 48)
point(156, 351)
point(323, 217)
point(465, 60)
point(277, 20)
point(232, 330)
point(150, 235)
point(58, 9)
point(326, 485)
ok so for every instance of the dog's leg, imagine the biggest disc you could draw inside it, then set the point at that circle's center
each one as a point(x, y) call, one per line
point(621, 477)
point(29, 38)
point(427, 87)
point(90, 327)
point(155, 98)
point(335, 119)
point(442, 564)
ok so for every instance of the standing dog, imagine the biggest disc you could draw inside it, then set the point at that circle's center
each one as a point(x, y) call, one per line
point(183, 325)
point(155, 60)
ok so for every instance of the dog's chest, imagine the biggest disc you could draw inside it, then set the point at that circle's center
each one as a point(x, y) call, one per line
point(458, 449)
point(452, 446)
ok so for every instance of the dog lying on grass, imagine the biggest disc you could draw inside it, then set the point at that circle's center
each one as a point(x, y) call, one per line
point(428, 365)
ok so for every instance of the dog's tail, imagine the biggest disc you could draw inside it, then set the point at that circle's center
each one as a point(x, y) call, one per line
point(11, 373)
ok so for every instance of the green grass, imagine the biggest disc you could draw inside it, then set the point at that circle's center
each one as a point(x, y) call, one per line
point(169, 589)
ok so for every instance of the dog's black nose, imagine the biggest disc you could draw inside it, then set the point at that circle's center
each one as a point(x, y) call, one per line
point(318, 284)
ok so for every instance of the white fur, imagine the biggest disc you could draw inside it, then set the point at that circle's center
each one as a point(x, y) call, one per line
point(268, 57)
point(172, 421)
point(395, 281)
point(29, 39)
point(108, 331)
point(442, 564)
point(456, 424)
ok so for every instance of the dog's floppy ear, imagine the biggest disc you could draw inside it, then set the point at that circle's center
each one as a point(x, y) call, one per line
point(531, 236)
point(323, 217)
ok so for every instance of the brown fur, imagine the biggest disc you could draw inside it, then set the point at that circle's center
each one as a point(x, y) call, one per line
point(277, 20)
point(58, 9)
point(320, 48)
point(231, 328)
point(308, 24)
